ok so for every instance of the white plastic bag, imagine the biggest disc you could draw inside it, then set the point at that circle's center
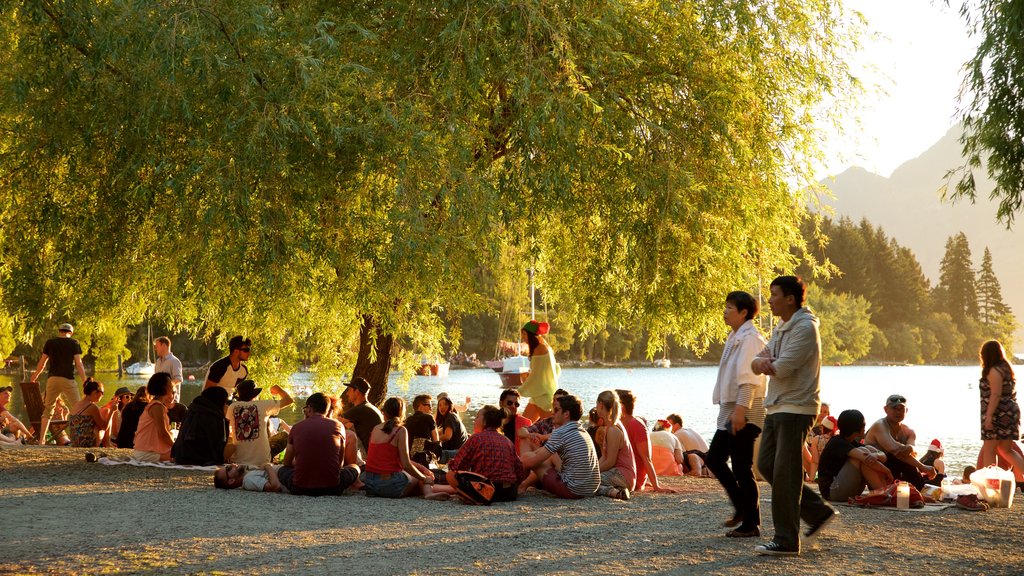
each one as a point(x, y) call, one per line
point(995, 485)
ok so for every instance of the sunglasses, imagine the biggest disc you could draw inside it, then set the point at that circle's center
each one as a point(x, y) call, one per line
point(895, 399)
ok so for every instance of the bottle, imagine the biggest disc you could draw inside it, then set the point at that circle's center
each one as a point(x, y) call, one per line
point(903, 496)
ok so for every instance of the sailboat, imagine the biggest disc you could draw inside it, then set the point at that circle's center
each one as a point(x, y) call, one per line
point(146, 368)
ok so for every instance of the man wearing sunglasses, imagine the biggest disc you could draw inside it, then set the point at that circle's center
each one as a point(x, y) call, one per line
point(230, 370)
point(509, 401)
point(896, 439)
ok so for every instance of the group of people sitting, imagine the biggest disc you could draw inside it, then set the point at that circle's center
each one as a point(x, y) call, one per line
point(388, 453)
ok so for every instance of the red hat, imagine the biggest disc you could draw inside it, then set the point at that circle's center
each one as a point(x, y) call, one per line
point(539, 328)
point(829, 424)
point(935, 446)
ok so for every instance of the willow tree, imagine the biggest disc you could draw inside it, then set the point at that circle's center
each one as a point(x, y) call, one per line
point(342, 175)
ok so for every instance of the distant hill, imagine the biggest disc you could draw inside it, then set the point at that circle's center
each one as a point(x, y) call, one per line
point(908, 206)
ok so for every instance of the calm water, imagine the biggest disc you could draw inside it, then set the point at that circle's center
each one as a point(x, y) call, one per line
point(942, 401)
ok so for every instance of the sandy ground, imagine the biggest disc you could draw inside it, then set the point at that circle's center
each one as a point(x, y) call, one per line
point(62, 515)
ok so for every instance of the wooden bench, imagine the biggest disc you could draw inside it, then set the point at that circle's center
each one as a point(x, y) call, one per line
point(34, 408)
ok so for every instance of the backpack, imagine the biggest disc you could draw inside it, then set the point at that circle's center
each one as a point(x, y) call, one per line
point(887, 497)
point(474, 488)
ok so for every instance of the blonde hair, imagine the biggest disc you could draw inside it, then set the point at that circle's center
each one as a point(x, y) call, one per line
point(610, 400)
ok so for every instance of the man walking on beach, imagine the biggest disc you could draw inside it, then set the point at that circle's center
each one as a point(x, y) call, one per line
point(64, 354)
point(896, 440)
point(166, 361)
point(792, 360)
point(230, 370)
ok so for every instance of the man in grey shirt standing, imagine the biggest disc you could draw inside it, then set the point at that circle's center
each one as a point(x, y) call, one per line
point(166, 361)
point(792, 360)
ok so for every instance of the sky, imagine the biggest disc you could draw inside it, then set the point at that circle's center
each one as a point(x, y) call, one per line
point(914, 55)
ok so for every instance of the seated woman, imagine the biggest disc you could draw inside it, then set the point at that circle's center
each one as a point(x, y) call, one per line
point(11, 429)
point(618, 468)
point(933, 458)
point(153, 439)
point(88, 422)
point(489, 453)
point(124, 397)
point(204, 432)
point(846, 466)
point(130, 415)
point(666, 450)
point(389, 471)
point(450, 429)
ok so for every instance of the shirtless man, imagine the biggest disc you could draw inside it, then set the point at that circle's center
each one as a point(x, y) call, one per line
point(896, 440)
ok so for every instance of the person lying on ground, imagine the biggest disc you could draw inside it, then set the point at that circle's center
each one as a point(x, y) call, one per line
point(846, 467)
point(88, 424)
point(390, 473)
point(489, 453)
point(204, 433)
point(567, 464)
point(261, 479)
point(896, 440)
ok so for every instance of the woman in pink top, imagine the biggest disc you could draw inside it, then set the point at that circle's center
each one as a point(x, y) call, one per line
point(389, 471)
point(618, 469)
point(153, 438)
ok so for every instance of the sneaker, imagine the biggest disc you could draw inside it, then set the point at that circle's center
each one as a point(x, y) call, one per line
point(971, 503)
point(90, 457)
point(815, 530)
point(741, 533)
point(774, 549)
point(622, 494)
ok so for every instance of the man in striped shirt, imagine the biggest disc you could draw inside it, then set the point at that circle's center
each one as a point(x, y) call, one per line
point(577, 475)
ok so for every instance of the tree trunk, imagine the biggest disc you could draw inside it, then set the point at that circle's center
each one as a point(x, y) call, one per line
point(374, 360)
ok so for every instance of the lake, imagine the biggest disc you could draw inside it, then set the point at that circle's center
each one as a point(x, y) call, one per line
point(942, 401)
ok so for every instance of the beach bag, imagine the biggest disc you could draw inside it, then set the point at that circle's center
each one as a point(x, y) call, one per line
point(886, 497)
point(995, 485)
point(474, 488)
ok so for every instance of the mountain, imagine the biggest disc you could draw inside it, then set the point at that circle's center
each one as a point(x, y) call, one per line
point(909, 207)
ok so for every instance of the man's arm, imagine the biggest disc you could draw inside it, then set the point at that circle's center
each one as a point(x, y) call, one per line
point(39, 368)
point(273, 483)
point(80, 366)
point(176, 372)
point(286, 398)
point(536, 457)
point(801, 345)
point(879, 435)
point(289, 455)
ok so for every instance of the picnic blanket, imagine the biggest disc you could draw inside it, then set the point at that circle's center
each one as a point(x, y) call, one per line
point(125, 461)
point(928, 507)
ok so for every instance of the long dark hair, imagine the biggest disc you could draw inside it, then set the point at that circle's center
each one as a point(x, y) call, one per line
point(992, 356)
point(392, 409)
point(438, 417)
point(532, 340)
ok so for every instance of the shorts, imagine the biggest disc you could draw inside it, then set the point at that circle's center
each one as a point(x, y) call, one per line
point(346, 477)
point(553, 483)
point(55, 386)
point(848, 483)
point(391, 485)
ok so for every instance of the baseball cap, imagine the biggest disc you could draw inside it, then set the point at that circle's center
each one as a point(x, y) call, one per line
point(65, 327)
point(896, 400)
point(360, 384)
point(123, 391)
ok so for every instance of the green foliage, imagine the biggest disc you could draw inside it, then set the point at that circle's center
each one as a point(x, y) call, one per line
point(992, 109)
point(957, 282)
point(282, 171)
point(846, 328)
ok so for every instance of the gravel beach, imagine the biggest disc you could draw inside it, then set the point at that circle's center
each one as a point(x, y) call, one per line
point(62, 515)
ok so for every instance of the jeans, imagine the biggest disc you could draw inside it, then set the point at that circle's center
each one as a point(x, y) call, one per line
point(781, 463)
point(738, 481)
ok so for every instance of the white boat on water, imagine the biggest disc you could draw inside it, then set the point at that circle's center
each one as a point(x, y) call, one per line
point(146, 368)
point(662, 363)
